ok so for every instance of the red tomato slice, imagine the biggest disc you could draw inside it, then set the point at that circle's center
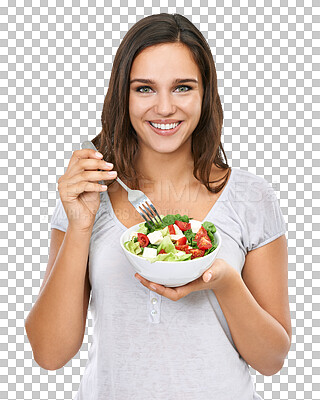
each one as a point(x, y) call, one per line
point(143, 239)
point(201, 232)
point(172, 231)
point(204, 243)
point(183, 247)
point(181, 241)
point(162, 252)
point(196, 253)
point(184, 226)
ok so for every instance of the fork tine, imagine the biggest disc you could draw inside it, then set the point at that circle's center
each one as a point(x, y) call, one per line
point(149, 212)
point(153, 216)
point(145, 211)
point(143, 216)
point(151, 205)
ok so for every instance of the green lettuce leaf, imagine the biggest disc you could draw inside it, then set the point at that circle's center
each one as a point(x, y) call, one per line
point(167, 245)
point(165, 231)
point(208, 251)
point(133, 247)
point(189, 235)
point(211, 236)
point(209, 226)
point(179, 256)
point(142, 228)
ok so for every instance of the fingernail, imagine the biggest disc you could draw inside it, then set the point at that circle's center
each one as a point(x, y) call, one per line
point(109, 164)
point(208, 277)
point(153, 287)
point(97, 154)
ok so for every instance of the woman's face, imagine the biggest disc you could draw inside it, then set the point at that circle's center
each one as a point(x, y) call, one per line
point(157, 96)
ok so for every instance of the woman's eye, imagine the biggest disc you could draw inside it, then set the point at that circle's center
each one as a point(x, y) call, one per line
point(181, 87)
point(143, 87)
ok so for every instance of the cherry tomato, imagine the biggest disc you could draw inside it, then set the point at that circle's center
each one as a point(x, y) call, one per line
point(196, 253)
point(183, 247)
point(201, 232)
point(184, 226)
point(143, 239)
point(181, 241)
point(204, 243)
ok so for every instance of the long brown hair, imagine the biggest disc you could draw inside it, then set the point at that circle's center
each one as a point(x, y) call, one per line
point(118, 140)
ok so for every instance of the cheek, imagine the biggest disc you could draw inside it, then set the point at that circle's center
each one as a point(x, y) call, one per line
point(192, 105)
point(136, 109)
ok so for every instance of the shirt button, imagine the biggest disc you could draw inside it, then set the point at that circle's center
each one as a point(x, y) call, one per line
point(153, 312)
point(154, 301)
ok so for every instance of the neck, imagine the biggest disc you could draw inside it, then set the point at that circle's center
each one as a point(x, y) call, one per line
point(165, 169)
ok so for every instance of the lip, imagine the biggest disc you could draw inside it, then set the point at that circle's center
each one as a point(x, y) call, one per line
point(165, 132)
point(165, 121)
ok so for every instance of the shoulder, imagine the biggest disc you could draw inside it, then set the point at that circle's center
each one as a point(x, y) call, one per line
point(255, 202)
point(242, 175)
point(248, 187)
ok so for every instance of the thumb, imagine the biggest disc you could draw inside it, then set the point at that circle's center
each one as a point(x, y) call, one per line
point(207, 276)
point(211, 273)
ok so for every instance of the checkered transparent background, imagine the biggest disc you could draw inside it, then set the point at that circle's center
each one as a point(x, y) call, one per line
point(55, 66)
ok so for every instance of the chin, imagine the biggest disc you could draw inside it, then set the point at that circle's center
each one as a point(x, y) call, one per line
point(166, 148)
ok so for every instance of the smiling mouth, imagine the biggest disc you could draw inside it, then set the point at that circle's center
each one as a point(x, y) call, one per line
point(164, 129)
point(165, 132)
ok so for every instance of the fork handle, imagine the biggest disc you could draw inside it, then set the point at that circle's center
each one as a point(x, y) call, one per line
point(123, 185)
point(89, 145)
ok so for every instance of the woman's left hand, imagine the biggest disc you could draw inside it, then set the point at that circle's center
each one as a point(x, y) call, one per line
point(213, 278)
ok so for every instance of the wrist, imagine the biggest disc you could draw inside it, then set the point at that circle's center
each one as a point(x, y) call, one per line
point(79, 232)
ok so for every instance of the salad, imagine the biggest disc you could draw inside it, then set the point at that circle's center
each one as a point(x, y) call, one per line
point(177, 238)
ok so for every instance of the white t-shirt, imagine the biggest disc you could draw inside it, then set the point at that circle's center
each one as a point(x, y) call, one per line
point(146, 346)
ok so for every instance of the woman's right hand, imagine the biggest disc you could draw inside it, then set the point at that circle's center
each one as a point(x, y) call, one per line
point(79, 188)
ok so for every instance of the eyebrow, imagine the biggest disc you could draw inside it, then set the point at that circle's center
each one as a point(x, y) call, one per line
point(151, 82)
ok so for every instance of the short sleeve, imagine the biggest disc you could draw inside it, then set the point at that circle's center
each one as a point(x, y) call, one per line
point(264, 218)
point(59, 218)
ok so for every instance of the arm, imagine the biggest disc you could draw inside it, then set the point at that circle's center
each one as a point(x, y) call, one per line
point(257, 307)
point(56, 323)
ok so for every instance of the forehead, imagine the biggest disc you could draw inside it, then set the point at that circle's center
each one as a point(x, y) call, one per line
point(167, 59)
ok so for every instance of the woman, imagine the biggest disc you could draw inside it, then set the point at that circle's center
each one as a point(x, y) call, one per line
point(162, 121)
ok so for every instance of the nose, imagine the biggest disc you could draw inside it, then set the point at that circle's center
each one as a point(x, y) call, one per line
point(165, 104)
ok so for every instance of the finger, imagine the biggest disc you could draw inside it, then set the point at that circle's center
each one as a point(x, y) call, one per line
point(171, 293)
point(92, 176)
point(84, 153)
point(88, 165)
point(73, 191)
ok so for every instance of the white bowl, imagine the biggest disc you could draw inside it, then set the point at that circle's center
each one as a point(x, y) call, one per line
point(169, 273)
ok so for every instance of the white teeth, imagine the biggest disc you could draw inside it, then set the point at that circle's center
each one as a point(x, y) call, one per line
point(164, 126)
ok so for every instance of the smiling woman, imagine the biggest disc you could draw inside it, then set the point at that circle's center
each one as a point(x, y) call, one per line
point(162, 121)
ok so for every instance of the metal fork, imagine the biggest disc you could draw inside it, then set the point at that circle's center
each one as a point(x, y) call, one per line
point(136, 197)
